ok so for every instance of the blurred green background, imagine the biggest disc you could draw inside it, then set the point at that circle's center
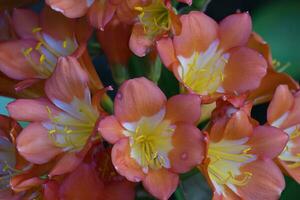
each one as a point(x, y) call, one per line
point(278, 22)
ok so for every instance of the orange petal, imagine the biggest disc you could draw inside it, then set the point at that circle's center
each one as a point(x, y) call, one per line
point(50, 190)
point(188, 148)
point(123, 163)
point(31, 109)
point(281, 103)
point(244, 70)
point(27, 184)
point(121, 189)
point(139, 42)
point(235, 30)
point(69, 80)
point(266, 182)
point(267, 141)
point(294, 116)
point(161, 183)
point(136, 98)
point(38, 150)
point(183, 108)
point(110, 129)
point(166, 51)
point(198, 32)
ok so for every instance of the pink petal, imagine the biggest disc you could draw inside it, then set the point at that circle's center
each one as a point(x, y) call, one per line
point(123, 163)
point(188, 148)
point(13, 62)
point(31, 109)
point(136, 98)
point(110, 129)
point(69, 80)
point(189, 2)
point(293, 172)
point(166, 51)
point(245, 67)
point(34, 144)
point(119, 190)
point(235, 30)
point(50, 190)
point(24, 21)
point(139, 42)
point(198, 32)
point(294, 116)
point(266, 182)
point(161, 183)
point(183, 108)
point(281, 103)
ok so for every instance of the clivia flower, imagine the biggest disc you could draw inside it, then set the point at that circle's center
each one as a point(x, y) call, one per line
point(239, 162)
point(212, 60)
point(61, 124)
point(33, 56)
point(284, 113)
point(154, 138)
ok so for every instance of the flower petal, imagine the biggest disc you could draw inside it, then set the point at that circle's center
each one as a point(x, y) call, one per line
point(139, 42)
point(31, 109)
point(294, 116)
point(34, 144)
point(166, 51)
point(161, 183)
point(266, 182)
point(183, 108)
point(111, 130)
point(24, 21)
point(69, 80)
point(235, 30)
point(198, 32)
point(281, 103)
point(122, 189)
point(293, 172)
point(188, 148)
point(267, 141)
point(136, 98)
point(245, 67)
point(123, 163)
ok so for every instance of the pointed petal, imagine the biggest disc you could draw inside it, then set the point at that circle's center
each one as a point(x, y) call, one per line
point(245, 67)
point(235, 30)
point(13, 62)
point(24, 21)
point(266, 182)
point(188, 148)
point(281, 103)
point(198, 32)
point(69, 80)
point(166, 51)
point(136, 98)
point(161, 183)
point(34, 144)
point(31, 109)
point(183, 108)
point(111, 130)
point(139, 42)
point(123, 163)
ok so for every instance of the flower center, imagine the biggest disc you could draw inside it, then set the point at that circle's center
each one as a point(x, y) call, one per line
point(204, 72)
point(290, 153)
point(43, 57)
point(71, 129)
point(151, 142)
point(226, 158)
point(155, 18)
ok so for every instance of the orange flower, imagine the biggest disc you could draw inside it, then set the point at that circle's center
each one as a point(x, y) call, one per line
point(239, 156)
point(212, 60)
point(154, 139)
point(284, 113)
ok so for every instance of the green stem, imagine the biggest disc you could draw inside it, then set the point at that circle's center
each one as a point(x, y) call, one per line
point(107, 104)
point(179, 193)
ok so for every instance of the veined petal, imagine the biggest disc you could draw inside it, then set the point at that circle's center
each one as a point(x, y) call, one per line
point(161, 183)
point(188, 151)
point(235, 30)
point(123, 163)
point(244, 70)
point(183, 108)
point(139, 42)
point(294, 116)
point(69, 80)
point(34, 144)
point(198, 32)
point(136, 98)
point(110, 129)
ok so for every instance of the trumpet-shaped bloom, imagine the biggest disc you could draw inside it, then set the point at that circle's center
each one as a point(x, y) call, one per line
point(154, 139)
point(284, 113)
point(212, 60)
point(61, 123)
point(239, 156)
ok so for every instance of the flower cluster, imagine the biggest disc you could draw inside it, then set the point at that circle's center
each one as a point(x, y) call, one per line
point(79, 144)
